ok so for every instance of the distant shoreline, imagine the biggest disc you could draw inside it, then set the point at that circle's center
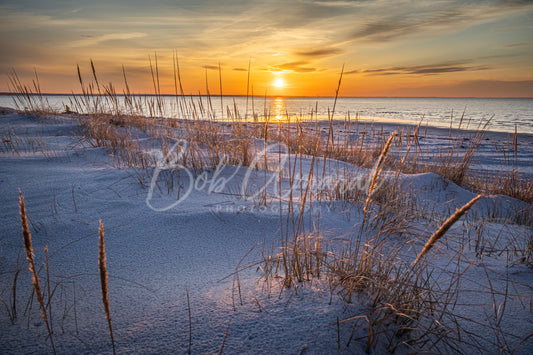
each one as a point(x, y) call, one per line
point(386, 123)
point(505, 113)
point(290, 96)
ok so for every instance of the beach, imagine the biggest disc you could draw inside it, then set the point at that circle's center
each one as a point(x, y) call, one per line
point(196, 266)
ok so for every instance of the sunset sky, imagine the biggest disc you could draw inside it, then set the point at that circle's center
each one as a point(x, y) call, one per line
point(294, 48)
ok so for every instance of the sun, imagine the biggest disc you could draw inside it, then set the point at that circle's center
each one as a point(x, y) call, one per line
point(279, 83)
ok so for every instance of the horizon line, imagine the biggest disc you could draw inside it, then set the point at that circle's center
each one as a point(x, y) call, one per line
point(275, 96)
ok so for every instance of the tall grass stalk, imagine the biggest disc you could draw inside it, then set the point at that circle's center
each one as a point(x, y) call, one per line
point(224, 341)
point(26, 234)
point(375, 176)
point(103, 282)
point(435, 237)
point(190, 321)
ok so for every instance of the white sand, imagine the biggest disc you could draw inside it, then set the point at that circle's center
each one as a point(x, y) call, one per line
point(154, 256)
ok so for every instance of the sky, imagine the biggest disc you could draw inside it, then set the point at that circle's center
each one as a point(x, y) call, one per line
point(443, 48)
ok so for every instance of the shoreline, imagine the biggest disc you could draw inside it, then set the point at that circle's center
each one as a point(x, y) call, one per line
point(505, 113)
point(296, 97)
point(495, 151)
point(368, 120)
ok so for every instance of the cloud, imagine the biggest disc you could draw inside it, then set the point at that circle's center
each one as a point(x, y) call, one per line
point(382, 31)
point(92, 41)
point(354, 71)
point(429, 69)
point(345, 3)
point(417, 17)
point(512, 45)
point(297, 67)
point(443, 69)
point(320, 52)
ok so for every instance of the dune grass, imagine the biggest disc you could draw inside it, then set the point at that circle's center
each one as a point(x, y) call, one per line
point(108, 115)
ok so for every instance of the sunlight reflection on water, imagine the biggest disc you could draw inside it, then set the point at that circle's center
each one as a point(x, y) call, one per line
point(278, 108)
point(505, 113)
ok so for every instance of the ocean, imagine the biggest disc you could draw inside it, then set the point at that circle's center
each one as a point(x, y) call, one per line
point(504, 114)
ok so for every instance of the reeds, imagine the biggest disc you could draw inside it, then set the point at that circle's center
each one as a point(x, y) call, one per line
point(28, 98)
point(104, 108)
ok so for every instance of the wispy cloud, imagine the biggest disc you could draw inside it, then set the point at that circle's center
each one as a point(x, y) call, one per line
point(338, 3)
point(420, 17)
point(319, 52)
point(95, 40)
point(297, 67)
point(512, 45)
point(384, 31)
point(430, 69)
point(354, 71)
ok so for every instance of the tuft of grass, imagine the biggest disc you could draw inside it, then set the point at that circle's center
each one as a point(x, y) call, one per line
point(302, 259)
point(509, 183)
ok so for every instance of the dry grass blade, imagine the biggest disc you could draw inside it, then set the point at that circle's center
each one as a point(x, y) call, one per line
point(103, 281)
point(445, 227)
point(35, 277)
point(11, 307)
point(224, 341)
point(521, 342)
point(190, 320)
point(379, 164)
point(377, 171)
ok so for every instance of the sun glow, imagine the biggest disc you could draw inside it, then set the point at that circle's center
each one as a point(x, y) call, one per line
point(279, 83)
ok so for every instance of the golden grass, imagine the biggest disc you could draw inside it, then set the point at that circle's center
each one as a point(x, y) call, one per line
point(26, 235)
point(105, 109)
point(435, 237)
point(375, 176)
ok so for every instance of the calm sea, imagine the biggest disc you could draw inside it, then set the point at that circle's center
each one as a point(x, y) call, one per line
point(504, 113)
